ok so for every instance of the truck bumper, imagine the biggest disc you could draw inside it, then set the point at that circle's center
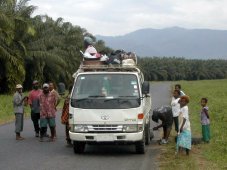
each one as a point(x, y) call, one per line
point(107, 138)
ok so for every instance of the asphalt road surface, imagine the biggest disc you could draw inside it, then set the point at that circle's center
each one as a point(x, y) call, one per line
point(31, 154)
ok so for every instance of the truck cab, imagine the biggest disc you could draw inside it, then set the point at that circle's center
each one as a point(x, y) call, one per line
point(109, 104)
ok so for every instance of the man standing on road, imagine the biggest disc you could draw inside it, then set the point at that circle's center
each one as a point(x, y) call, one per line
point(33, 101)
point(18, 104)
point(57, 96)
point(47, 112)
point(54, 92)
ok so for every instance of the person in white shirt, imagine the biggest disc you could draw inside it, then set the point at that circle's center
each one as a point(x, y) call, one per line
point(184, 134)
point(178, 87)
point(176, 108)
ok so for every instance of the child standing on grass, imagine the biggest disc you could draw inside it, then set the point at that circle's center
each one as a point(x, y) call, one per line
point(184, 134)
point(205, 120)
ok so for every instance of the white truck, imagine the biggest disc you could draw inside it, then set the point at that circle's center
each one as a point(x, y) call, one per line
point(110, 104)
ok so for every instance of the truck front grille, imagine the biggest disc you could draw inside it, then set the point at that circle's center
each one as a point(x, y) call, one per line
point(104, 128)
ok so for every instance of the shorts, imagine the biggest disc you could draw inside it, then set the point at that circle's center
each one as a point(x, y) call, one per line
point(47, 121)
point(169, 122)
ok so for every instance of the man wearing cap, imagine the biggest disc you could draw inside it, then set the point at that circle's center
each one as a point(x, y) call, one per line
point(47, 112)
point(18, 104)
point(33, 101)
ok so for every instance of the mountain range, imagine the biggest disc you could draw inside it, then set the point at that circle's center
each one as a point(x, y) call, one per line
point(174, 41)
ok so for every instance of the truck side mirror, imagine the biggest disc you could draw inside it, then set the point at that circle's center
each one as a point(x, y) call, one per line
point(145, 87)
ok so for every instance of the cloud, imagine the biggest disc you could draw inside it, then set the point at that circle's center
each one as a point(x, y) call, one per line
point(117, 17)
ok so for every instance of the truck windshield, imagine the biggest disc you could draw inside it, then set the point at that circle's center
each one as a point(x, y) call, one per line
point(106, 91)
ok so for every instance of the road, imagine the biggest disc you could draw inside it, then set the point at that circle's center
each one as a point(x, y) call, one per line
point(31, 154)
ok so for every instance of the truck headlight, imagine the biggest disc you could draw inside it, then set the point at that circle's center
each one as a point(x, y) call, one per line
point(80, 128)
point(130, 128)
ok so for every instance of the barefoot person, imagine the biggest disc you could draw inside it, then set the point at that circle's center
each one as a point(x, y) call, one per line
point(184, 135)
point(205, 120)
point(57, 96)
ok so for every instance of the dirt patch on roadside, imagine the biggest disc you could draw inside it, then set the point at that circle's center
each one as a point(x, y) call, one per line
point(169, 160)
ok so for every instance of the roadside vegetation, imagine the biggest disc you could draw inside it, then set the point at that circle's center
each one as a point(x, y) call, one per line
point(37, 47)
point(6, 109)
point(202, 156)
point(175, 69)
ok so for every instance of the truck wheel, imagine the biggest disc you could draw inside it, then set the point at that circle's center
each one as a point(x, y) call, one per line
point(147, 134)
point(140, 146)
point(78, 147)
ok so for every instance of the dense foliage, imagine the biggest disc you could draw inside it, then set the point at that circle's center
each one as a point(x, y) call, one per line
point(37, 47)
point(172, 68)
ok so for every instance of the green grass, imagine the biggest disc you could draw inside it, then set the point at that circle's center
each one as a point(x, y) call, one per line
point(6, 108)
point(203, 156)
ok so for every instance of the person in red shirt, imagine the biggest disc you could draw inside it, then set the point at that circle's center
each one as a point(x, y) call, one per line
point(33, 101)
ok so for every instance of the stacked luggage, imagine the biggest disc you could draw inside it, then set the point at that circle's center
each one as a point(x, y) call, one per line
point(118, 57)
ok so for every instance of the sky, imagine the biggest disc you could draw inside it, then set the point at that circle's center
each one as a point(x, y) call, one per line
point(119, 17)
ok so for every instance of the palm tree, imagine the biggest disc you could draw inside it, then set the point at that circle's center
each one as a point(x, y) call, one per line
point(53, 53)
point(14, 24)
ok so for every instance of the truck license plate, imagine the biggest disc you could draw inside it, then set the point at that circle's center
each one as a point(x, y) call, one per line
point(103, 138)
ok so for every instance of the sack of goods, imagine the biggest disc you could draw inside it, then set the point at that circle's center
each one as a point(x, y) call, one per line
point(115, 57)
point(88, 55)
point(121, 57)
point(130, 57)
point(91, 58)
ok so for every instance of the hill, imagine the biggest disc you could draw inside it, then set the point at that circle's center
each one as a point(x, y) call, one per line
point(175, 41)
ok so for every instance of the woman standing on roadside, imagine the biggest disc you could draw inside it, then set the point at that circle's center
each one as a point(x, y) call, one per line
point(184, 134)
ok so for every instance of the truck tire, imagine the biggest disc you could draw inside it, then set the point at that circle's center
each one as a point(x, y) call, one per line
point(147, 134)
point(78, 147)
point(140, 146)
